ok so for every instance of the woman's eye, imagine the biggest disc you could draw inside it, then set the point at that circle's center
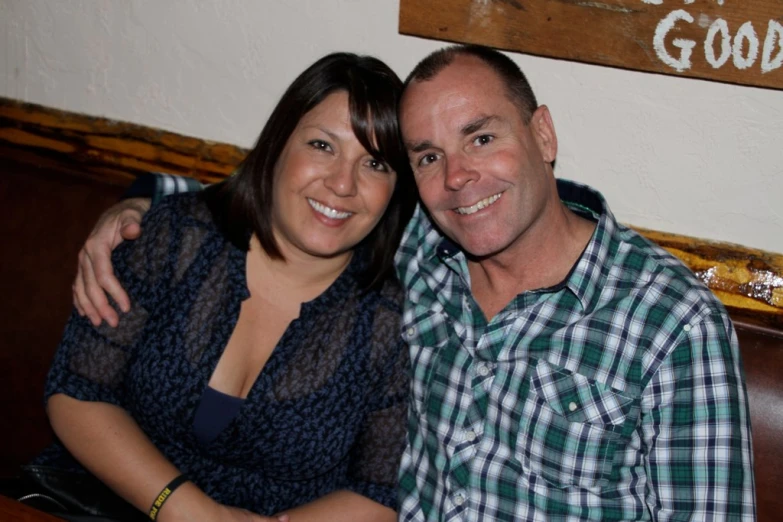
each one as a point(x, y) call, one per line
point(427, 159)
point(378, 165)
point(483, 140)
point(320, 145)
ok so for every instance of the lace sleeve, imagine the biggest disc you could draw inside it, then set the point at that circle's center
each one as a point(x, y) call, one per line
point(90, 362)
point(375, 457)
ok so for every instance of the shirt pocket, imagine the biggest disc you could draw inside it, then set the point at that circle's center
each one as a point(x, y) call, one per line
point(570, 427)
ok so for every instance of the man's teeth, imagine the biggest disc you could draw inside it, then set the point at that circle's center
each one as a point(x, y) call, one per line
point(484, 203)
point(328, 212)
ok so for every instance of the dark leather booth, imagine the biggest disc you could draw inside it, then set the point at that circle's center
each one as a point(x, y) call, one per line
point(762, 357)
point(46, 217)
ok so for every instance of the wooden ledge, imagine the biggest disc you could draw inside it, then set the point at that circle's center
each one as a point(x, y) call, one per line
point(113, 151)
point(748, 281)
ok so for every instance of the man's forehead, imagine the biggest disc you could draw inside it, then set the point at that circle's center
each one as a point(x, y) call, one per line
point(461, 109)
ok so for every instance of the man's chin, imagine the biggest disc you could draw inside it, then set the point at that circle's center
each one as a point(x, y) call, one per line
point(480, 248)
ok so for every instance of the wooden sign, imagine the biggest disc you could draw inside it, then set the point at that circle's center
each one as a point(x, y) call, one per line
point(734, 41)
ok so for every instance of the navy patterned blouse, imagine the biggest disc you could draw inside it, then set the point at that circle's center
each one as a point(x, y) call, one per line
point(327, 412)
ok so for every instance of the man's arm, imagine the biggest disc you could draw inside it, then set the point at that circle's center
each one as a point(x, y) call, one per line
point(95, 275)
point(696, 429)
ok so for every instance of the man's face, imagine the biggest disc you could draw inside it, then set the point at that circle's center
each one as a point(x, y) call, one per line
point(483, 174)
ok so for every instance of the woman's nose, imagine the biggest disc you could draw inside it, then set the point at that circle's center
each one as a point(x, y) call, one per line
point(342, 180)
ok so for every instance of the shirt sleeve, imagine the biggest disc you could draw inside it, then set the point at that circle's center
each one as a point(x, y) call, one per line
point(696, 429)
point(375, 456)
point(90, 362)
point(157, 185)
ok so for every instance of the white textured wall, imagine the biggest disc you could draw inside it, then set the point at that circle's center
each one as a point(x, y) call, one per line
point(685, 156)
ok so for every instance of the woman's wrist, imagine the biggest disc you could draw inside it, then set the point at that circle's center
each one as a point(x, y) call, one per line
point(164, 495)
point(188, 504)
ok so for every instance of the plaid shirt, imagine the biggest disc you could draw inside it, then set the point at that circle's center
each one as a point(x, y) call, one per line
point(615, 395)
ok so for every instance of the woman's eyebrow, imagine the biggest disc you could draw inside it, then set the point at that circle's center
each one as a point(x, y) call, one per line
point(322, 129)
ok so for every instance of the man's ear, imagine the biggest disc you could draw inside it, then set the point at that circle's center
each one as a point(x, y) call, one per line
point(543, 130)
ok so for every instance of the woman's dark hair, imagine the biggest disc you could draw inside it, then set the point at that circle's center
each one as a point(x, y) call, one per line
point(243, 203)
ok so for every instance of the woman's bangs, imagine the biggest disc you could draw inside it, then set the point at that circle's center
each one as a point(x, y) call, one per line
point(375, 126)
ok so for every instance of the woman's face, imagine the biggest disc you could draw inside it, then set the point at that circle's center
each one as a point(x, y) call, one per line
point(329, 192)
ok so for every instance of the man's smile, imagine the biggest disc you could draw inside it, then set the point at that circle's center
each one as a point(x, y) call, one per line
point(484, 203)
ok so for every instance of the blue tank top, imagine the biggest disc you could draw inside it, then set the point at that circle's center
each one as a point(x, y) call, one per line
point(215, 411)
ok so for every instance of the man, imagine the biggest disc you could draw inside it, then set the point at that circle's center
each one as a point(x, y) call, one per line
point(564, 368)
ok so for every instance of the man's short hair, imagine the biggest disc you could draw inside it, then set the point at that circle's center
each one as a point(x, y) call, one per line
point(518, 88)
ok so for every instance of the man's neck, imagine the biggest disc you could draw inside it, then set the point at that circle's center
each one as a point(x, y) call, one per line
point(542, 258)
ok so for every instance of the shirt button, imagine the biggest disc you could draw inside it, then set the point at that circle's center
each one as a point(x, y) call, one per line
point(470, 436)
point(687, 328)
point(483, 370)
point(459, 500)
point(411, 331)
point(572, 406)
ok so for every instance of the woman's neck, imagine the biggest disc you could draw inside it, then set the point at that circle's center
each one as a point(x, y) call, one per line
point(297, 274)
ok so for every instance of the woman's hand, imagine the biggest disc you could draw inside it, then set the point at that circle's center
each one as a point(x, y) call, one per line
point(95, 275)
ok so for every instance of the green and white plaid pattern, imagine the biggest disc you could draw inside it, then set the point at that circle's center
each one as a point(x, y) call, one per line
point(616, 395)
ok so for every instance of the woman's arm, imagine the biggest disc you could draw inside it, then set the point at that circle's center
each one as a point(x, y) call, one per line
point(342, 506)
point(86, 390)
point(109, 443)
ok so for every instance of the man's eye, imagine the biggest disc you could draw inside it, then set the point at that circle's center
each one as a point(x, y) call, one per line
point(483, 140)
point(427, 159)
point(320, 145)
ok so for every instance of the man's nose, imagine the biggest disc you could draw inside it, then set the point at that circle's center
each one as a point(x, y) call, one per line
point(342, 179)
point(459, 172)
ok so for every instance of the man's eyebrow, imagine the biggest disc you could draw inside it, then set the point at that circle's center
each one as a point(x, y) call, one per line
point(418, 146)
point(477, 124)
point(468, 128)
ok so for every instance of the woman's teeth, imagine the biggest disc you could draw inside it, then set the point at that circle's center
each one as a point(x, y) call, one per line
point(484, 203)
point(328, 212)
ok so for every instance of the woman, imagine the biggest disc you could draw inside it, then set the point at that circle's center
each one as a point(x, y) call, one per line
point(260, 356)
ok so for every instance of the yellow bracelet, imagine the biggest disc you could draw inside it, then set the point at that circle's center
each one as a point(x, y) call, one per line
point(164, 495)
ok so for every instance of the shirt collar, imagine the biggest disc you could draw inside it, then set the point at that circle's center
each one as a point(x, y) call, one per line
point(591, 269)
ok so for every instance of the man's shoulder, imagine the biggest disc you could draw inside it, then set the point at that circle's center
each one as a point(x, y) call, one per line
point(654, 303)
point(646, 269)
point(631, 266)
